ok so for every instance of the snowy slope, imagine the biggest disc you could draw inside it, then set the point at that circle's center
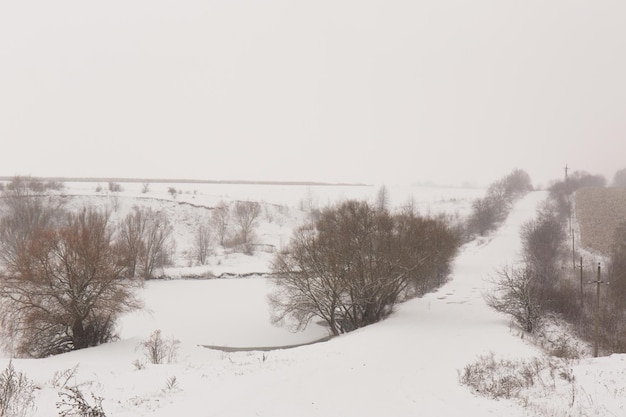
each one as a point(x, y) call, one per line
point(406, 365)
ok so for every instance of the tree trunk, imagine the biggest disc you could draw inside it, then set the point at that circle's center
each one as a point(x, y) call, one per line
point(79, 337)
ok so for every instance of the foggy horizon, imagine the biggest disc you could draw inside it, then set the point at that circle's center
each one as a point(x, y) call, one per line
point(368, 92)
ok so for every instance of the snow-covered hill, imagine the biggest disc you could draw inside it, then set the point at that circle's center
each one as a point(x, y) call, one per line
point(406, 365)
point(283, 207)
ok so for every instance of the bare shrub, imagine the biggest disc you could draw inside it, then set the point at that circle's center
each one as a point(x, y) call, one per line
point(61, 378)
point(158, 350)
point(74, 404)
point(486, 214)
point(506, 378)
point(516, 293)
point(172, 192)
point(115, 187)
point(16, 393)
point(171, 384)
point(202, 243)
point(356, 262)
point(27, 185)
point(490, 211)
point(145, 188)
point(556, 340)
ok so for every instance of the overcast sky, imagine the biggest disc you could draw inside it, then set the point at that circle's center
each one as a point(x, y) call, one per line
point(327, 90)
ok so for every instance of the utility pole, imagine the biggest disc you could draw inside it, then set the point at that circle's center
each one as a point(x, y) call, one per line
point(569, 215)
point(596, 343)
point(581, 286)
point(573, 252)
point(569, 203)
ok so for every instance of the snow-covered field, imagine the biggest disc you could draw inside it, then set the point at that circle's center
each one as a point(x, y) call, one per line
point(407, 365)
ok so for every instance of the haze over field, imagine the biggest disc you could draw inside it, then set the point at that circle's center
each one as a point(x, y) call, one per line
point(349, 91)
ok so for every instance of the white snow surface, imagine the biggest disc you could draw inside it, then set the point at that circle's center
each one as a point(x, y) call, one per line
point(218, 312)
point(406, 365)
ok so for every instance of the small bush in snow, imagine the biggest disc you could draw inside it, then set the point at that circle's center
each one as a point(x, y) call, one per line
point(139, 364)
point(158, 350)
point(114, 187)
point(516, 293)
point(61, 378)
point(74, 404)
point(170, 385)
point(506, 378)
point(16, 393)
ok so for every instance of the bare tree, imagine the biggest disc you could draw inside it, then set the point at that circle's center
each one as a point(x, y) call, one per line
point(309, 202)
point(24, 214)
point(485, 216)
point(145, 187)
point(220, 218)
point(542, 241)
point(488, 212)
point(202, 243)
point(516, 294)
point(145, 239)
point(131, 232)
point(67, 290)
point(157, 242)
point(382, 198)
point(356, 263)
point(245, 215)
point(308, 286)
point(517, 184)
point(410, 206)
